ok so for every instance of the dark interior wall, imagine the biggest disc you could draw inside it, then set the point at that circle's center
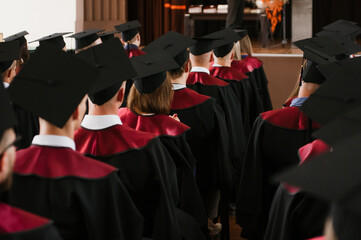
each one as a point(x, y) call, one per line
point(327, 11)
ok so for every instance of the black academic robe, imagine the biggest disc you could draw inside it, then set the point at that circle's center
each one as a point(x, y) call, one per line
point(295, 214)
point(209, 85)
point(246, 90)
point(84, 197)
point(27, 126)
point(17, 224)
point(173, 135)
point(207, 138)
point(150, 185)
point(275, 139)
point(253, 67)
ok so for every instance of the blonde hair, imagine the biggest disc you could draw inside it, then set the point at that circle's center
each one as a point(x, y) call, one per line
point(159, 101)
point(245, 45)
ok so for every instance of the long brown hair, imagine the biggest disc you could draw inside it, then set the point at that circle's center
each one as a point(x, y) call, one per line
point(159, 101)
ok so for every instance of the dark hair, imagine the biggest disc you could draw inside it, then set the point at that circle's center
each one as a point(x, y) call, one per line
point(159, 101)
point(176, 73)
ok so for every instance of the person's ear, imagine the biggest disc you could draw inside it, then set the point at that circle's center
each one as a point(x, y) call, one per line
point(138, 37)
point(211, 59)
point(120, 96)
point(122, 41)
point(187, 67)
point(232, 56)
point(76, 113)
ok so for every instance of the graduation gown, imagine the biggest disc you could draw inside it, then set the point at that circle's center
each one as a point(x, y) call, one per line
point(27, 126)
point(295, 214)
point(253, 67)
point(150, 185)
point(84, 197)
point(207, 138)
point(245, 89)
point(17, 224)
point(173, 135)
point(275, 139)
point(209, 85)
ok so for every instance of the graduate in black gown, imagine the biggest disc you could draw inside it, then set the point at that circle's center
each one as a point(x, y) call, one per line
point(278, 134)
point(148, 108)
point(84, 197)
point(201, 81)
point(28, 124)
point(340, 184)
point(296, 214)
point(243, 86)
point(16, 223)
point(152, 185)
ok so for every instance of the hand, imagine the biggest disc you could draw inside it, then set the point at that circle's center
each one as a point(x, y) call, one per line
point(175, 117)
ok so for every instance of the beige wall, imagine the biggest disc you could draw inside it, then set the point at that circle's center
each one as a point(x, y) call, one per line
point(103, 14)
point(282, 74)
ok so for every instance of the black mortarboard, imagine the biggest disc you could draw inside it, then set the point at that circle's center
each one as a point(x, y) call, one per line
point(52, 84)
point(240, 31)
point(151, 69)
point(324, 50)
point(175, 44)
point(225, 42)
point(9, 51)
point(335, 176)
point(128, 29)
point(107, 35)
point(85, 38)
point(55, 38)
point(7, 119)
point(328, 70)
point(18, 36)
point(202, 46)
point(341, 27)
point(114, 66)
point(336, 96)
point(340, 128)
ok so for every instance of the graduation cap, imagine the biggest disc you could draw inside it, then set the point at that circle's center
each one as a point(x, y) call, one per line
point(202, 46)
point(340, 128)
point(151, 70)
point(225, 42)
point(18, 36)
point(107, 35)
point(175, 44)
point(128, 29)
point(114, 66)
point(9, 51)
point(85, 38)
point(335, 176)
point(336, 96)
point(324, 50)
point(8, 118)
point(55, 38)
point(52, 84)
point(328, 70)
point(341, 27)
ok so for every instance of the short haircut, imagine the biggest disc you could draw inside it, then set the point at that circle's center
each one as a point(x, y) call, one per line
point(159, 101)
point(176, 73)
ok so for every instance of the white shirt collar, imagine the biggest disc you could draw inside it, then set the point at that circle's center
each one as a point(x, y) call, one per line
point(6, 85)
point(98, 122)
point(54, 141)
point(200, 69)
point(178, 86)
point(216, 65)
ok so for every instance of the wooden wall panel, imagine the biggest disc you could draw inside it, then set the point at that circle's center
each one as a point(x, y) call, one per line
point(103, 14)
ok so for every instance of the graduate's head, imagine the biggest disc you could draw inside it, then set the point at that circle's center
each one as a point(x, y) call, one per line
point(9, 54)
point(203, 60)
point(54, 90)
point(86, 39)
point(115, 68)
point(180, 72)
point(55, 39)
point(22, 45)
point(130, 32)
point(245, 46)
point(7, 139)
point(224, 55)
point(152, 90)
